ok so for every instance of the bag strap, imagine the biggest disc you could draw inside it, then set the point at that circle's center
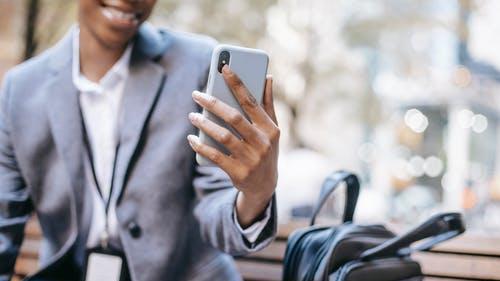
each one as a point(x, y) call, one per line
point(437, 229)
point(330, 184)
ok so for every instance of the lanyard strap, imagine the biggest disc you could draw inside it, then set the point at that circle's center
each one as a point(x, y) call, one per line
point(106, 202)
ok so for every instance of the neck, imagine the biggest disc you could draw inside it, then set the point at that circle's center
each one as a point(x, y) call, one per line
point(95, 57)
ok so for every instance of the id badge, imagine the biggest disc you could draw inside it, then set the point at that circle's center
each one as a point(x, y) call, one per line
point(105, 264)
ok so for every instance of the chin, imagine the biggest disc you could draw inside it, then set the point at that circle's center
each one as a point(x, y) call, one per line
point(114, 22)
point(116, 39)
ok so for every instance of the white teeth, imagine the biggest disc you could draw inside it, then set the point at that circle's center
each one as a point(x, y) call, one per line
point(113, 13)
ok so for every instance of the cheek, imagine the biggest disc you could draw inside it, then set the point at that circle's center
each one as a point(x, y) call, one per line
point(88, 9)
point(89, 14)
point(151, 4)
point(148, 7)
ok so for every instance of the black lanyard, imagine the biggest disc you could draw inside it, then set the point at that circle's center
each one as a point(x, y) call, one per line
point(107, 203)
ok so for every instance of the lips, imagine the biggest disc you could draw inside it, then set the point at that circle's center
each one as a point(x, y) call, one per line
point(120, 17)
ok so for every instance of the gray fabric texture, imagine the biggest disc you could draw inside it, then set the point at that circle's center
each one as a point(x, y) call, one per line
point(184, 212)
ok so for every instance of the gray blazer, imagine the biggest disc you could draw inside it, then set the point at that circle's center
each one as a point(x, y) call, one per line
point(175, 220)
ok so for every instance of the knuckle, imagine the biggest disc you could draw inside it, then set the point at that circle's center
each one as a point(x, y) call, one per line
point(254, 165)
point(236, 118)
point(275, 134)
point(215, 157)
point(249, 101)
point(237, 83)
point(201, 120)
point(254, 160)
point(266, 148)
point(236, 178)
point(225, 137)
point(211, 101)
point(244, 174)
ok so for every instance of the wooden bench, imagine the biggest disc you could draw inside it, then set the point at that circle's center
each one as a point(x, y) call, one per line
point(27, 261)
point(469, 257)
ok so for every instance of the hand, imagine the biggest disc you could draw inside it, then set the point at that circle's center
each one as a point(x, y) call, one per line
point(253, 160)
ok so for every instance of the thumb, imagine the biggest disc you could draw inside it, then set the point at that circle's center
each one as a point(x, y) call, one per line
point(268, 103)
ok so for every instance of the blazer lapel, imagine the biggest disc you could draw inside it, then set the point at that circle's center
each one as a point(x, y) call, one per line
point(64, 115)
point(142, 90)
point(143, 87)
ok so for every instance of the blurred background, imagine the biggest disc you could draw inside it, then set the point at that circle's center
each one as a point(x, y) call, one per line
point(403, 92)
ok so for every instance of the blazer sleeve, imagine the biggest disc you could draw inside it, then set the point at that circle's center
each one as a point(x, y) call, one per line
point(214, 211)
point(15, 203)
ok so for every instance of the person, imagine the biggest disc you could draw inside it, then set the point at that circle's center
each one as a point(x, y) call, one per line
point(98, 138)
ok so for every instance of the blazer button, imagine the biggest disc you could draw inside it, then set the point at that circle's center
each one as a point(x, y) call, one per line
point(134, 229)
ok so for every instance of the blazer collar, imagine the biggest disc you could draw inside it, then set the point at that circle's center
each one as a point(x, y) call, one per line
point(150, 44)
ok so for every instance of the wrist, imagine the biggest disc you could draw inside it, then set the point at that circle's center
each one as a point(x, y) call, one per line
point(257, 199)
point(250, 207)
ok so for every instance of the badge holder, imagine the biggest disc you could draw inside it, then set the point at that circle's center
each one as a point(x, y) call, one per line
point(103, 262)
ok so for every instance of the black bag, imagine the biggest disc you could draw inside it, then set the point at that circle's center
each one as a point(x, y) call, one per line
point(352, 252)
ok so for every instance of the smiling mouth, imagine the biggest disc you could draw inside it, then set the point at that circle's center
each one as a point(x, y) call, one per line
point(115, 13)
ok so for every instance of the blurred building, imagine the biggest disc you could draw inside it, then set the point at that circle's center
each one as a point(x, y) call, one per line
point(405, 93)
point(11, 40)
point(440, 138)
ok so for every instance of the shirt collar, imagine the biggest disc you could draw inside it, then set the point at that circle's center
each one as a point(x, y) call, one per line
point(118, 72)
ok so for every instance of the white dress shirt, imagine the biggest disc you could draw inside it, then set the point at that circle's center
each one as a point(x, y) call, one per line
point(100, 105)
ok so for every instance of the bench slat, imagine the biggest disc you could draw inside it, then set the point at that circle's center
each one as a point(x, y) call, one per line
point(464, 266)
point(444, 279)
point(26, 266)
point(17, 277)
point(30, 248)
point(251, 270)
point(258, 271)
point(32, 229)
point(472, 244)
point(275, 251)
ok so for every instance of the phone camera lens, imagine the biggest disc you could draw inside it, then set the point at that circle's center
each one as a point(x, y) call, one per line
point(224, 58)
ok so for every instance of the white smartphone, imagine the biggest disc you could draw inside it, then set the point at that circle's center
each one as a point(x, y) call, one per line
point(251, 66)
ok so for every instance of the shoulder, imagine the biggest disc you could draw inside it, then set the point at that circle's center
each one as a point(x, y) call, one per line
point(194, 46)
point(29, 76)
point(192, 41)
point(188, 54)
point(23, 80)
point(34, 70)
point(173, 47)
point(28, 69)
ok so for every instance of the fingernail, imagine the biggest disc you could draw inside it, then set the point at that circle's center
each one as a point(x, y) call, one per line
point(195, 116)
point(196, 94)
point(269, 76)
point(225, 69)
point(200, 96)
point(193, 140)
point(191, 116)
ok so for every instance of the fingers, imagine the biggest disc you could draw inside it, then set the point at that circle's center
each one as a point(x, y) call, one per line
point(216, 132)
point(212, 154)
point(227, 113)
point(269, 99)
point(246, 100)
